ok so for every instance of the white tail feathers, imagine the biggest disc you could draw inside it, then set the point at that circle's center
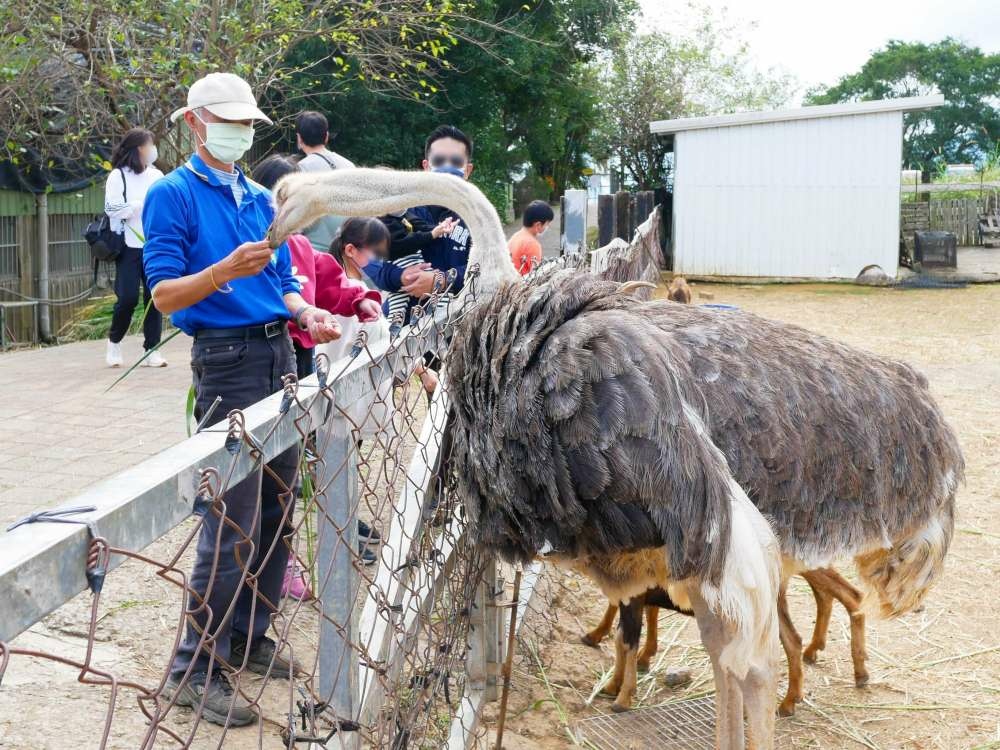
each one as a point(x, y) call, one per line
point(747, 594)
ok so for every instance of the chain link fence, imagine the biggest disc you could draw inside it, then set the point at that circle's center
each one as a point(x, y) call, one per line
point(395, 641)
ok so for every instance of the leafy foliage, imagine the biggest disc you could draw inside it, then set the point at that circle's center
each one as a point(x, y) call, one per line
point(75, 73)
point(523, 90)
point(966, 129)
point(661, 76)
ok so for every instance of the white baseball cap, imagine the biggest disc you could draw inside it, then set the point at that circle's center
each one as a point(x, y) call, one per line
point(225, 95)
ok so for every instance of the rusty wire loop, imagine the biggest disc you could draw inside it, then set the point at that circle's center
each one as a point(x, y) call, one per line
point(413, 609)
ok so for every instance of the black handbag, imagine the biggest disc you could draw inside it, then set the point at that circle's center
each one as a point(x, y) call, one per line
point(105, 244)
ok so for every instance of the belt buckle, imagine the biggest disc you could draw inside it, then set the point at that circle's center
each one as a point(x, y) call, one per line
point(272, 329)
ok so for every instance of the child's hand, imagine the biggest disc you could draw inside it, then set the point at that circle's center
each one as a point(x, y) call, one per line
point(412, 273)
point(445, 227)
point(422, 286)
point(368, 310)
point(429, 379)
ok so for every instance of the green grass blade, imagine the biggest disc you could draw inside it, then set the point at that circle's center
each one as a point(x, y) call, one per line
point(189, 409)
point(142, 359)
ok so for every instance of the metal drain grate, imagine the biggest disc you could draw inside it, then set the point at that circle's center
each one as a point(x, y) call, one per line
point(685, 725)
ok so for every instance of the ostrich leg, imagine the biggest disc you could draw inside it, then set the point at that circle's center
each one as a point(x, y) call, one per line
point(824, 607)
point(832, 584)
point(715, 634)
point(649, 649)
point(758, 689)
point(623, 684)
point(598, 634)
point(792, 644)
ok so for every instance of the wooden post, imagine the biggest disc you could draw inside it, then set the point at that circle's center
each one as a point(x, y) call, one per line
point(605, 219)
point(635, 217)
point(648, 203)
point(622, 215)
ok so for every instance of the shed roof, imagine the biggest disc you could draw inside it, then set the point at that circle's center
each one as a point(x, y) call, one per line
point(904, 104)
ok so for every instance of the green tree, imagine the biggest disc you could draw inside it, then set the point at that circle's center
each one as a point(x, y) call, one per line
point(665, 75)
point(76, 73)
point(963, 130)
point(523, 90)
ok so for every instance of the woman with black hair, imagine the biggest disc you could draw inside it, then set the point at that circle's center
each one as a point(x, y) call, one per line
point(124, 193)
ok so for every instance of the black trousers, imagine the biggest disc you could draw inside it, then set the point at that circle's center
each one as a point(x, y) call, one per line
point(242, 372)
point(128, 277)
point(304, 365)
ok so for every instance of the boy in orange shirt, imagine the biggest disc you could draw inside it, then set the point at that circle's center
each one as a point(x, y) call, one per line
point(524, 247)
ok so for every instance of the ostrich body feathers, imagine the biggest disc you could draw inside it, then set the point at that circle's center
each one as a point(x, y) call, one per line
point(571, 430)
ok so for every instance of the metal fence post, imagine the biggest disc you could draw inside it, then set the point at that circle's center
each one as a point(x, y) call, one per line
point(493, 630)
point(605, 219)
point(337, 500)
point(42, 214)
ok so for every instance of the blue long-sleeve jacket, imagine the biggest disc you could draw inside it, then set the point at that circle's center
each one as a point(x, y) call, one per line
point(384, 275)
point(450, 251)
point(190, 221)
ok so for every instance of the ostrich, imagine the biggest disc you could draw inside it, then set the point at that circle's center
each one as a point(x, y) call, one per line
point(602, 430)
point(639, 261)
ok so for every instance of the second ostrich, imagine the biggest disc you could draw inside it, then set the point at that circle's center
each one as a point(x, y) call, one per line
point(602, 430)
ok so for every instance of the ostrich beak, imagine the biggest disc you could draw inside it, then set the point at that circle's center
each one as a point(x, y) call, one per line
point(630, 287)
point(282, 225)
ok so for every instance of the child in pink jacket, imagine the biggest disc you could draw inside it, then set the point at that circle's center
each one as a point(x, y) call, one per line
point(325, 285)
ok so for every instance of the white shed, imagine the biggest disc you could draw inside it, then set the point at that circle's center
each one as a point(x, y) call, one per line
point(809, 193)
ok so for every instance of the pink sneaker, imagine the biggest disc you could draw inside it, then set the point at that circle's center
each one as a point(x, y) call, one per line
point(294, 586)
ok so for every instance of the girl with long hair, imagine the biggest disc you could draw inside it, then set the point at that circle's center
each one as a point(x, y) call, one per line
point(132, 173)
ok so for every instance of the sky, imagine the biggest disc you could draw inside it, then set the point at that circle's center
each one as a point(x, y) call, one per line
point(819, 41)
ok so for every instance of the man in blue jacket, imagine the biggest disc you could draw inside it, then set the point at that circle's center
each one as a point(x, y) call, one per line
point(210, 269)
point(447, 150)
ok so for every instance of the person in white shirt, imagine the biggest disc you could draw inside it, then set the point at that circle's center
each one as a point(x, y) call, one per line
point(312, 133)
point(124, 193)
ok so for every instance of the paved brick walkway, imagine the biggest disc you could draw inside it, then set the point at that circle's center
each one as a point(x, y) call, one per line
point(59, 430)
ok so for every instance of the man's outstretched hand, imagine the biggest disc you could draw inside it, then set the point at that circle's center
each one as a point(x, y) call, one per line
point(321, 325)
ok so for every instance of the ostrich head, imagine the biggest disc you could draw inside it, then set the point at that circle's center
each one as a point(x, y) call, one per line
point(302, 198)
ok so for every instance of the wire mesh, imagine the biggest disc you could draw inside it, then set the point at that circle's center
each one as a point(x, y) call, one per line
point(684, 725)
point(409, 618)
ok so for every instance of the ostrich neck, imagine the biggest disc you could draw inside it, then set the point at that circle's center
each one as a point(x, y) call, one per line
point(376, 192)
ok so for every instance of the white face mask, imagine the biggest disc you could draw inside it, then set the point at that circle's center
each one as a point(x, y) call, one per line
point(544, 230)
point(227, 141)
point(149, 158)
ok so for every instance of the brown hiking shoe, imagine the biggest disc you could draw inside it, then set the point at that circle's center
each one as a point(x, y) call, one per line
point(263, 657)
point(222, 705)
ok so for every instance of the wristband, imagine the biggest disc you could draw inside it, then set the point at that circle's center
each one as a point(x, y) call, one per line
point(297, 317)
point(211, 276)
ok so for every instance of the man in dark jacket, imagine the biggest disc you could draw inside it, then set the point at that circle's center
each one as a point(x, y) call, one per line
point(443, 238)
point(446, 150)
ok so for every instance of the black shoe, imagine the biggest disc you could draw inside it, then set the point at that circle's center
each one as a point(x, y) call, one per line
point(367, 534)
point(223, 705)
point(263, 659)
point(367, 556)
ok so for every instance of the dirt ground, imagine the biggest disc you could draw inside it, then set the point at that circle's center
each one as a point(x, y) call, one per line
point(935, 674)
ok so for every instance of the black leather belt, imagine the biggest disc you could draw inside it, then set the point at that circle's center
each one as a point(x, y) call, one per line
point(266, 331)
